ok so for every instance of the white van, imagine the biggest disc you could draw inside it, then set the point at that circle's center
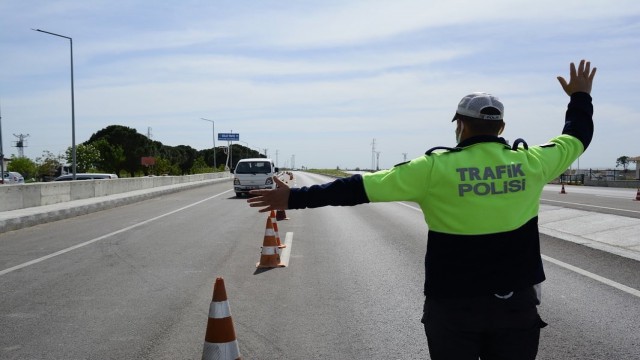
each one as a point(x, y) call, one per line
point(86, 176)
point(251, 174)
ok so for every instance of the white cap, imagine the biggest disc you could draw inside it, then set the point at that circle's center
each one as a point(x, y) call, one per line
point(473, 105)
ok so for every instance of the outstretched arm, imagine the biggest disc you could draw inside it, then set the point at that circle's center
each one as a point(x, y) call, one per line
point(347, 191)
point(579, 116)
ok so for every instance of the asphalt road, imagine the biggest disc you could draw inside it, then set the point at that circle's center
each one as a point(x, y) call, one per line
point(615, 201)
point(135, 282)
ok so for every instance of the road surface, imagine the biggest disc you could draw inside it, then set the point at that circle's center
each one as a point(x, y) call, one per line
point(135, 282)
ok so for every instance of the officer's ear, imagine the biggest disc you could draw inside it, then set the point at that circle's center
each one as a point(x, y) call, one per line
point(501, 128)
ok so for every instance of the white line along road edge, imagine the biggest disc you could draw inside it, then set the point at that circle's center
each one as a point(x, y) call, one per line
point(64, 251)
point(593, 276)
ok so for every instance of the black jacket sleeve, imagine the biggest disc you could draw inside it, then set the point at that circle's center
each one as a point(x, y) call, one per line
point(579, 118)
point(341, 192)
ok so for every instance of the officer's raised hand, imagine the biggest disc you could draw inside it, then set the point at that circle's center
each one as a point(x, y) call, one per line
point(580, 80)
point(276, 199)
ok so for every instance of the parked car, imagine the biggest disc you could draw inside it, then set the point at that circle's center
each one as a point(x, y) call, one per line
point(12, 177)
point(86, 176)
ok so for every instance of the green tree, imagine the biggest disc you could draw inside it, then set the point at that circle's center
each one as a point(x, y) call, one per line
point(133, 144)
point(111, 156)
point(87, 157)
point(121, 148)
point(25, 166)
point(623, 161)
point(200, 166)
point(48, 164)
point(164, 167)
point(207, 155)
point(181, 156)
point(187, 158)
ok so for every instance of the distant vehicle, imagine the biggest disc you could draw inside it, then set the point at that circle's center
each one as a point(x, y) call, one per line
point(12, 177)
point(251, 174)
point(86, 176)
point(63, 170)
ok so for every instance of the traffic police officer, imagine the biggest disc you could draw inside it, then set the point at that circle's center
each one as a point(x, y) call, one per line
point(480, 201)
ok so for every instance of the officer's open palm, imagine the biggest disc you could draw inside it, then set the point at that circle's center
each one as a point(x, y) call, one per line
point(580, 80)
point(276, 199)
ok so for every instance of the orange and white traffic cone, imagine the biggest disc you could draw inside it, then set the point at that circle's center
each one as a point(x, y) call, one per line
point(281, 215)
point(638, 195)
point(220, 341)
point(278, 241)
point(562, 190)
point(274, 222)
point(270, 255)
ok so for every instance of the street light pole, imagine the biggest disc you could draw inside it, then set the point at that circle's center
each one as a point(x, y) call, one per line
point(1, 151)
point(73, 113)
point(244, 142)
point(213, 124)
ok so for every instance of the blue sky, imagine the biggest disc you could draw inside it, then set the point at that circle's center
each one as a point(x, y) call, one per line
point(314, 81)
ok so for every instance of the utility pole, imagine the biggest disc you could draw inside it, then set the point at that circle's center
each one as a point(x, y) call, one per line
point(377, 160)
point(373, 154)
point(404, 156)
point(1, 150)
point(277, 158)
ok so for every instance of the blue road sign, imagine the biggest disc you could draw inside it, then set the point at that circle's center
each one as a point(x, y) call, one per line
point(229, 136)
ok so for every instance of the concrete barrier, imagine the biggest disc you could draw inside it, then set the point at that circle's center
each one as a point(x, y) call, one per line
point(14, 197)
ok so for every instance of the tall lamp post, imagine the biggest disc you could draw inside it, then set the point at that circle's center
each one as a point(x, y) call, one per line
point(1, 152)
point(247, 146)
point(213, 124)
point(73, 114)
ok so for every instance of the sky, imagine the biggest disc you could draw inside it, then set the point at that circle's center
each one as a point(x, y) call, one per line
point(321, 84)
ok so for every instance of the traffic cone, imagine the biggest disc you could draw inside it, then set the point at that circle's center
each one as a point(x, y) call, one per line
point(274, 222)
point(270, 255)
point(220, 340)
point(562, 190)
point(638, 195)
point(278, 241)
point(281, 215)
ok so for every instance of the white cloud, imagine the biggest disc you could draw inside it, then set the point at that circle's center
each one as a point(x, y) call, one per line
point(310, 76)
point(355, 22)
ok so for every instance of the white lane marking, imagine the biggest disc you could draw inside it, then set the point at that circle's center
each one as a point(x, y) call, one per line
point(593, 276)
point(593, 206)
point(555, 201)
point(286, 252)
point(64, 251)
point(617, 195)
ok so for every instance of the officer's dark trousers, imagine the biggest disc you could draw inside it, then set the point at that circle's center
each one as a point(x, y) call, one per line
point(487, 328)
